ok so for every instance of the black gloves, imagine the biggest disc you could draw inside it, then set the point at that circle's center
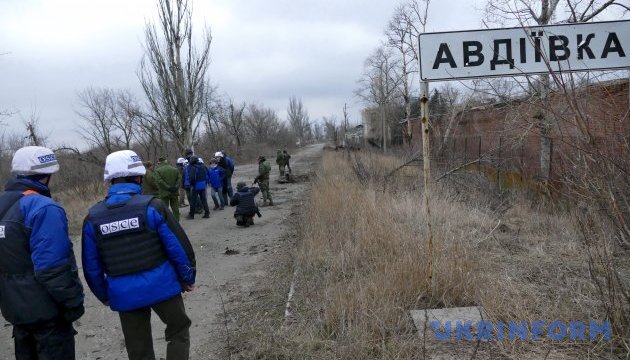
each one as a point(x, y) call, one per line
point(73, 314)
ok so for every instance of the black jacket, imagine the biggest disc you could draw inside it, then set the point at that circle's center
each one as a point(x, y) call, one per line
point(38, 272)
point(244, 201)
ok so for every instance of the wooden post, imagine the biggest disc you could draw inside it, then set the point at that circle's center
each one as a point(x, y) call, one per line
point(465, 151)
point(426, 160)
point(499, 164)
point(479, 155)
point(383, 131)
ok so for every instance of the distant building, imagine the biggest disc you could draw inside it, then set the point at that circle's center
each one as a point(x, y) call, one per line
point(354, 137)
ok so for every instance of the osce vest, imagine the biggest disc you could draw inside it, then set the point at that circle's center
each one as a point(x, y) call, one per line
point(124, 240)
point(14, 236)
point(23, 299)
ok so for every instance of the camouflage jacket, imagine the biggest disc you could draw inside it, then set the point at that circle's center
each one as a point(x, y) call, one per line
point(264, 168)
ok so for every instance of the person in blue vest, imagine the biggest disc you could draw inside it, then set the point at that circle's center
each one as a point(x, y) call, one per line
point(216, 174)
point(40, 291)
point(196, 180)
point(137, 258)
point(188, 153)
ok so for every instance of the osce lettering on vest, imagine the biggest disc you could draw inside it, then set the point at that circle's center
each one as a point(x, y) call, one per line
point(120, 225)
point(525, 50)
point(2, 232)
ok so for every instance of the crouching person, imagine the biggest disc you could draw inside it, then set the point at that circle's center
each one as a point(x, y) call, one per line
point(40, 291)
point(245, 205)
point(137, 258)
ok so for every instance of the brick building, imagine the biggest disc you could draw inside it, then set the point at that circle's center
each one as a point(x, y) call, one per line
point(505, 135)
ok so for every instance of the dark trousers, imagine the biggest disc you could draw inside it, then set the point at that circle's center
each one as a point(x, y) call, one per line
point(54, 341)
point(227, 190)
point(244, 220)
point(196, 197)
point(136, 326)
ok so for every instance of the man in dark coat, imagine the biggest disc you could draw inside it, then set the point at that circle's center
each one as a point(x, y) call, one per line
point(245, 205)
point(40, 291)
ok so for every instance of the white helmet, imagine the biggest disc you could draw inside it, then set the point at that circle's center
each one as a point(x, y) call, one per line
point(123, 163)
point(181, 161)
point(218, 154)
point(34, 160)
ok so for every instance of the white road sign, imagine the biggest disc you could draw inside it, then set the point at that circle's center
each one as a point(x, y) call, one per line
point(525, 50)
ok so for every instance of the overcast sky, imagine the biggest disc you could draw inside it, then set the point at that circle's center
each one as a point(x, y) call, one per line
point(262, 51)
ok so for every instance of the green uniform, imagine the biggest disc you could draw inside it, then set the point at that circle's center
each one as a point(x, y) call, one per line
point(281, 160)
point(287, 159)
point(168, 180)
point(264, 168)
point(148, 184)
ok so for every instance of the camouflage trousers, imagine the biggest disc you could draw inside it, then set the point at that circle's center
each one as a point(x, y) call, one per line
point(171, 200)
point(264, 189)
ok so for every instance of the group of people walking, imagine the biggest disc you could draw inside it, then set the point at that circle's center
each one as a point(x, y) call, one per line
point(136, 257)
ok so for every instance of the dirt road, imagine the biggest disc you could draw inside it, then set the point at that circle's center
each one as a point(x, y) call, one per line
point(99, 335)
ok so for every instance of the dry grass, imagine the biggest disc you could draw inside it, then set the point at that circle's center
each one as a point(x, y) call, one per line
point(77, 201)
point(371, 246)
point(363, 264)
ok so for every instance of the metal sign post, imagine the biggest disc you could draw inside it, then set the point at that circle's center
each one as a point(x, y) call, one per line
point(512, 52)
point(426, 162)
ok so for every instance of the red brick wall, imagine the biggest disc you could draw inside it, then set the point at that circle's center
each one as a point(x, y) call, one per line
point(605, 107)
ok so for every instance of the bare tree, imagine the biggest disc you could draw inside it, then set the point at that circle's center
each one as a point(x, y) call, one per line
point(416, 18)
point(331, 128)
point(33, 131)
point(399, 32)
point(262, 123)
point(379, 85)
point(544, 12)
point(346, 119)
point(173, 72)
point(318, 131)
point(150, 134)
point(298, 118)
point(125, 116)
point(233, 122)
point(96, 110)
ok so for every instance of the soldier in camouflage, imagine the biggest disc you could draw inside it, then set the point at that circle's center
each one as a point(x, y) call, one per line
point(287, 159)
point(264, 168)
point(149, 187)
point(281, 161)
point(168, 181)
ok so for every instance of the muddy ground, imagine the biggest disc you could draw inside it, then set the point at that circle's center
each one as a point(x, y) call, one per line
point(250, 251)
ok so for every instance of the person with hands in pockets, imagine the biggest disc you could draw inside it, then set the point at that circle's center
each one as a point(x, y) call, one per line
point(137, 258)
